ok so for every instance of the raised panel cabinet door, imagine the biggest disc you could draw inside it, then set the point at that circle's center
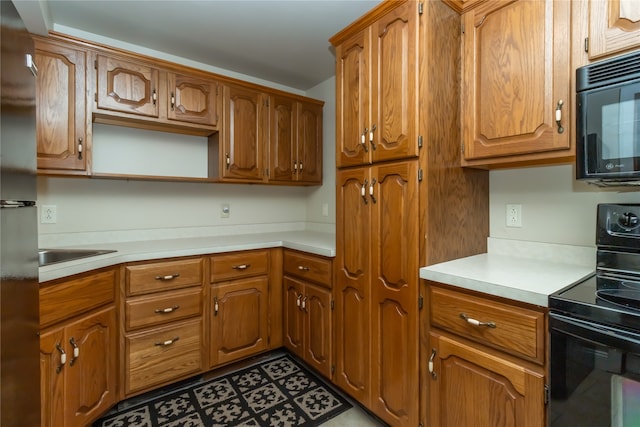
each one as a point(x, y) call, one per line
point(61, 107)
point(614, 27)
point(309, 165)
point(317, 309)
point(192, 99)
point(393, 128)
point(515, 74)
point(471, 387)
point(393, 197)
point(53, 366)
point(91, 374)
point(127, 86)
point(240, 318)
point(293, 315)
point(352, 287)
point(282, 138)
point(353, 80)
point(243, 134)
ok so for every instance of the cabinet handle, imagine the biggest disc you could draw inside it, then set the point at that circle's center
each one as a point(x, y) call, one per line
point(80, 148)
point(215, 306)
point(303, 268)
point(300, 167)
point(373, 198)
point(173, 101)
point(363, 191)
point(475, 322)
point(63, 358)
point(76, 351)
point(299, 300)
point(31, 65)
point(154, 97)
point(373, 145)
point(303, 306)
point(228, 159)
point(167, 342)
point(363, 140)
point(431, 371)
point(241, 266)
point(559, 116)
point(295, 167)
point(166, 310)
point(168, 277)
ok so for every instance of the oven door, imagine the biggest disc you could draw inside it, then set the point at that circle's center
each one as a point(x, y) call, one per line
point(594, 375)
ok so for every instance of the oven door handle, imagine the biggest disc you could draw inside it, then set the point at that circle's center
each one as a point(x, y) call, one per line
point(595, 333)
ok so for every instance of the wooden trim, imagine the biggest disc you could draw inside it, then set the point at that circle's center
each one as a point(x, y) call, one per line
point(366, 20)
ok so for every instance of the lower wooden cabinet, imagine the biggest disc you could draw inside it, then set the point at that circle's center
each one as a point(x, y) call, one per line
point(78, 353)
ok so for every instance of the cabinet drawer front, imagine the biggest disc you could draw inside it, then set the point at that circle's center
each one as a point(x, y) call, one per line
point(517, 330)
point(162, 308)
point(308, 267)
point(162, 355)
point(239, 264)
point(163, 276)
point(71, 297)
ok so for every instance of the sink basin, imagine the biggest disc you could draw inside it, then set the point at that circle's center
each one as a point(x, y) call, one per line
point(54, 256)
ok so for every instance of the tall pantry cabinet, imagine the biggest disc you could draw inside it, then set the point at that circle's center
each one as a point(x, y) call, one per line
point(403, 201)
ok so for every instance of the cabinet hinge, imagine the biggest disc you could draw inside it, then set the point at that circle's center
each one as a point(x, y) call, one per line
point(586, 44)
point(420, 8)
point(420, 302)
point(546, 394)
point(420, 141)
point(419, 175)
point(333, 304)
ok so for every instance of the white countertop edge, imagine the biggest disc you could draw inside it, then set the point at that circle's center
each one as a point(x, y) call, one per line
point(313, 242)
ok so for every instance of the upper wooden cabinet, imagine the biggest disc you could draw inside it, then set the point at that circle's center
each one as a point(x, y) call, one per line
point(376, 90)
point(614, 27)
point(61, 108)
point(192, 99)
point(516, 101)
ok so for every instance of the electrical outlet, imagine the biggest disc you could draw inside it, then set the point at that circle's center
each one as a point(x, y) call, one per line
point(225, 210)
point(48, 214)
point(514, 216)
point(325, 209)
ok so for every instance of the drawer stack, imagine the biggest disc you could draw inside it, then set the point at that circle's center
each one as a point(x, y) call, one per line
point(163, 322)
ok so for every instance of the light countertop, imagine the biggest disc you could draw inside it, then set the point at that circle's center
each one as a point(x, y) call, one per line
point(317, 243)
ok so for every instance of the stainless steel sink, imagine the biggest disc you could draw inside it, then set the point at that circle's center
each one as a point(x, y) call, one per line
point(54, 256)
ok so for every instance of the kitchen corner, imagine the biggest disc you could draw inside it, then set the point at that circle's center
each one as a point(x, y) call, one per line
point(518, 270)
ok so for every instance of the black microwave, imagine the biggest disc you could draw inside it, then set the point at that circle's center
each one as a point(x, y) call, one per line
point(608, 121)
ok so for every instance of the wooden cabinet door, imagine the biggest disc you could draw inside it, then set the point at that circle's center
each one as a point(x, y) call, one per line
point(614, 27)
point(471, 387)
point(515, 71)
point(282, 138)
point(127, 86)
point(239, 326)
point(53, 352)
point(91, 376)
point(317, 328)
point(293, 315)
point(353, 80)
point(352, 287)
point(61, 107)
point(309, 153)
point(243, 134)
point(192, 99)
point(394, 289)
point(394, 85)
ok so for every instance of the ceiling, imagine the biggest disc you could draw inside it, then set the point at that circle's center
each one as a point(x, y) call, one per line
point(280, 41)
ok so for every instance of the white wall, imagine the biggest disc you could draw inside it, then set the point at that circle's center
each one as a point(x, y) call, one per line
point(555, 207)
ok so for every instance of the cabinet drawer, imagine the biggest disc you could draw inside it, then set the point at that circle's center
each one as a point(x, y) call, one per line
point(517, 330)
point(239, 264)
point(68, 298)
point(308, 267)
point(162, 355)
point(157, 309)
point(163, 276)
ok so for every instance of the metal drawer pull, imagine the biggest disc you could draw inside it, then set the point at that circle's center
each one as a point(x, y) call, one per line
point(63, 358)
point(216, 306)
point(167, 342)
point(76, 351)
point(431, 371)
point(363, 191)
point(298, 299)
point(168, 277)
point(166, 310)
point(241, 266)
point(303, 268)
point(477, 322)
point(303, 306)
point(559, 116)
